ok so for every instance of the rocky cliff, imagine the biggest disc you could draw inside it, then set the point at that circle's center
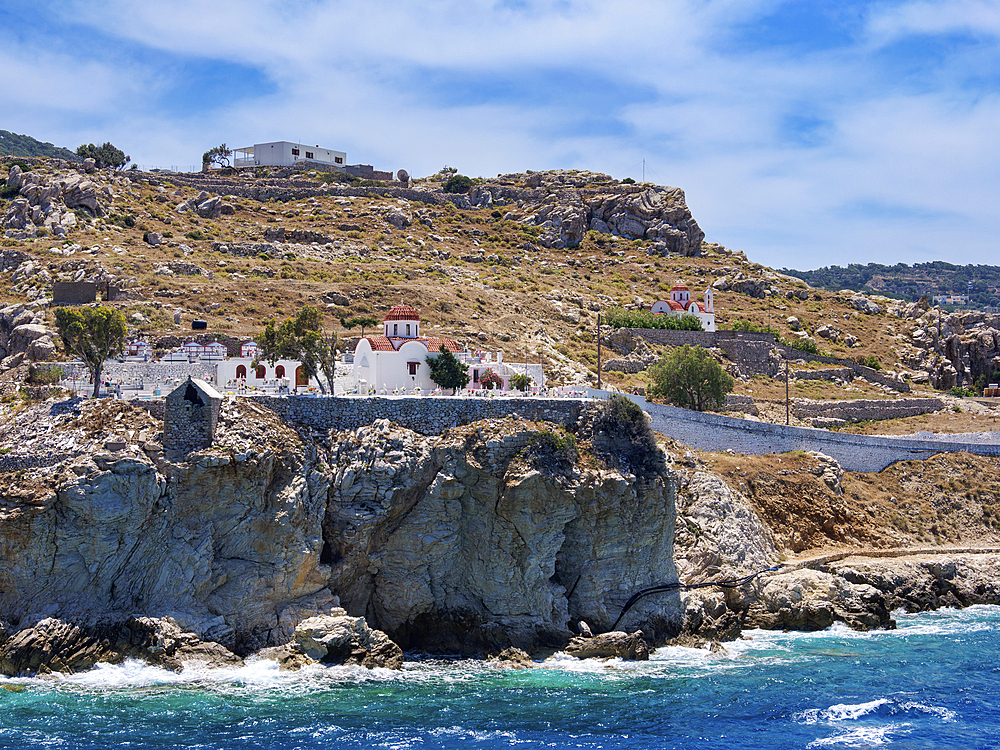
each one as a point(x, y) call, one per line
point(470, 541)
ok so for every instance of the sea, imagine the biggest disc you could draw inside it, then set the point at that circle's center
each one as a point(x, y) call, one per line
point(932, 683)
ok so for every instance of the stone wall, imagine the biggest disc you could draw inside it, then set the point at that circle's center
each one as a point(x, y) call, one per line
point(866, 453)
point(859, 410)
point(427, 416)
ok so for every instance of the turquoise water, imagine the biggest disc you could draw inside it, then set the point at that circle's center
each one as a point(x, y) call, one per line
point(933, 683)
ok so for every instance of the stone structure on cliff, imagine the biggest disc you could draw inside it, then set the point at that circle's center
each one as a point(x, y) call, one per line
point(190, 417)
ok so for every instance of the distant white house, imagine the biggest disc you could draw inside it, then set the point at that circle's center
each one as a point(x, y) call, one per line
point(680, 303)
point(285, 154)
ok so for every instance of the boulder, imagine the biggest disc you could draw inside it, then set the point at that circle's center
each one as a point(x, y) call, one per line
point(14, 177)
point(399, 218)
point(865, 305)
point(152, 238)
point(616, 644)
point(342, 639)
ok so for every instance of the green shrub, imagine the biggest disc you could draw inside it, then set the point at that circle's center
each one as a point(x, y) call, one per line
point(196, 234)
point(458, 183)
point(959, 392)
point(520, 382)
point(45, 374)
point(623, 438)
point(870, 361)
point(619, 317)
point(552, 450)
point(805, 345)
point(628, 181)
point(745, 325)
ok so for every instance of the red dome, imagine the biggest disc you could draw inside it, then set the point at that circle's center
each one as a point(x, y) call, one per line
point(402, 312)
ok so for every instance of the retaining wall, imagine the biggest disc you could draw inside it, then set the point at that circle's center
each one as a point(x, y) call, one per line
point(865, 453)
point(428, 416)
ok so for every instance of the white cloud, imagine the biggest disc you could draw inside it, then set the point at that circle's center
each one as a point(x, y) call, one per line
point(799, 156)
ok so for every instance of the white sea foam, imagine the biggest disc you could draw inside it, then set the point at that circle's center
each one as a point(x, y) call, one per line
point(862, 736)
point(840, 712)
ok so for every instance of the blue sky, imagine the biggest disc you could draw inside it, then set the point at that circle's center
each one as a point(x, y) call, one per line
point(804, 133)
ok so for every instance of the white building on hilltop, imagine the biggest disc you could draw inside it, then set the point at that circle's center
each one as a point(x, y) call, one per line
point(396, 361)
point(680, 303)
point(285, 154)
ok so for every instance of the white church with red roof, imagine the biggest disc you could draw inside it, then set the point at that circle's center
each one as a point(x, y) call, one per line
point(397, 360)
point(680, 303)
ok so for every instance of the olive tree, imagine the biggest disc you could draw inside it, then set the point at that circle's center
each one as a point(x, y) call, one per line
point(690, 378)
point(94, 334)
point(301, 338)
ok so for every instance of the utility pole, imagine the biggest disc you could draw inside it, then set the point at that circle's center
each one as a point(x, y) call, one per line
point(598, 351)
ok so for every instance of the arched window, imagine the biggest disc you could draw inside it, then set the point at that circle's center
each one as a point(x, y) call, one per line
point(241, 371)
point(301, 379)
point(279, 371)
point(261, 372)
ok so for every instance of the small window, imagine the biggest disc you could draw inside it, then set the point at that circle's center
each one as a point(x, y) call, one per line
point(309, 154)
point(295, 152)
point(339, 160)
point(413, 367)
point(395, 329)
point(475, 376)
point(407, 329)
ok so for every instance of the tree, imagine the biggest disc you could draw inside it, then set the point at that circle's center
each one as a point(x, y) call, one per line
point(458, 183)
point(94, 334)
point(363, 322)
point(520, 382)
point(218, 155)
point(104, 156)
point(691, 378)
point(447, 371)
point(301, 338)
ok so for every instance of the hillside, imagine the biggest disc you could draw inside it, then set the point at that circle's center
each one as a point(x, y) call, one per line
point(12, 144)
point(980, 283)
point(522, 263)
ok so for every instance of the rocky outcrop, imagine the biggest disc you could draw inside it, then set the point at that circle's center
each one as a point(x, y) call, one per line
point(53, 645)
point(337, 638)
point(46, 202)
point(457, 544)
point(613, 645)
point(23, 337)
point(572, 205)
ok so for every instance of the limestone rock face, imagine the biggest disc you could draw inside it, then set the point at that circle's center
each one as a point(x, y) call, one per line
point(616, 644)
point(227, 546)
point(454, 544)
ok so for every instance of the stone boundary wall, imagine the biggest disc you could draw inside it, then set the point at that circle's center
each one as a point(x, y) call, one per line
point(863, 409)
point(150, 372)
point(301, 189)
point(864, 453)
point(428, 416)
